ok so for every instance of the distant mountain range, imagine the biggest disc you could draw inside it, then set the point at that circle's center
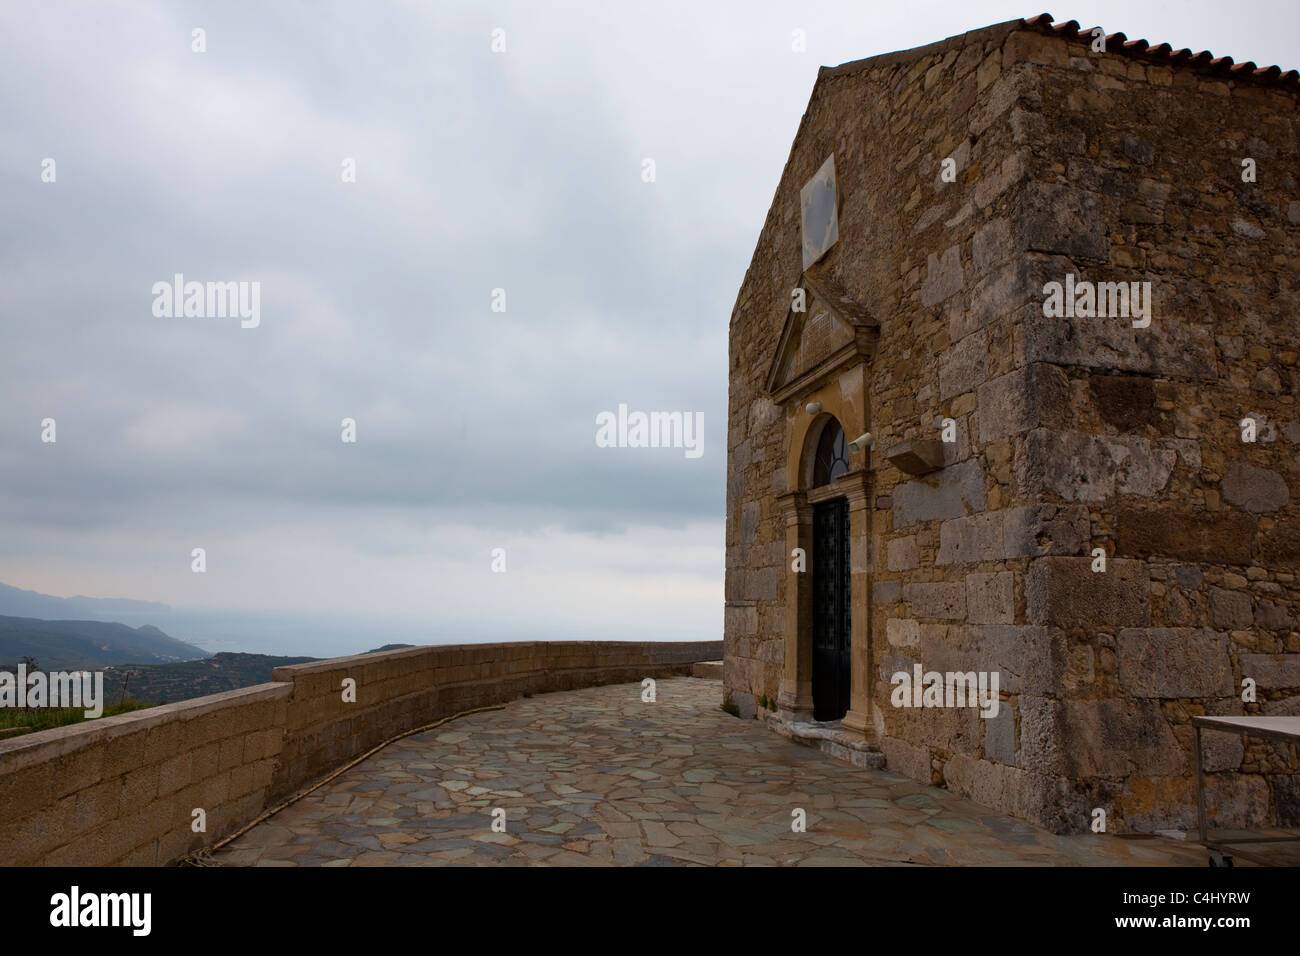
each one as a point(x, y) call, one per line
point(19, 603)
point(88, 645)
point(305, 634)
point(144, 662)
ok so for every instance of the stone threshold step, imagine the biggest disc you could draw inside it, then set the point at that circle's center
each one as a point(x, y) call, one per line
point(830, 738)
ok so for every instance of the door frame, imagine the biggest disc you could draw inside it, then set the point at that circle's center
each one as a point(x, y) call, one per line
point(795, 700)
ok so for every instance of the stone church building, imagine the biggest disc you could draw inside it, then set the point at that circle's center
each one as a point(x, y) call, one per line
point(1013, 403)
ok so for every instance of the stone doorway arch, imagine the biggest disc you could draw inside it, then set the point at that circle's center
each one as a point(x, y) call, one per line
point(816, 480)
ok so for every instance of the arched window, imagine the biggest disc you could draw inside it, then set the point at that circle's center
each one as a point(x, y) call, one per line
point(832, 455)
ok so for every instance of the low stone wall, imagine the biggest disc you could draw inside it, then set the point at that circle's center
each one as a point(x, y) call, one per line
point(123, 790)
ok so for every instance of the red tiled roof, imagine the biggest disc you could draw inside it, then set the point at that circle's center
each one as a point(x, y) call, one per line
point(1164, 53)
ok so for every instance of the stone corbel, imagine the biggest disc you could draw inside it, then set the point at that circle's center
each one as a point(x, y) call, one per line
point(916, 456)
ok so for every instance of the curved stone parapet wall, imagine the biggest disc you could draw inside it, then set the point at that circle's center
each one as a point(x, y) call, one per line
point(123, 790)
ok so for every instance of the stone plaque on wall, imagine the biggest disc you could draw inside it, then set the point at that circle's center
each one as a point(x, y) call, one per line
point(818, 204)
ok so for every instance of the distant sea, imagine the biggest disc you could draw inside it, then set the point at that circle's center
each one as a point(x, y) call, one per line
point(332, 635)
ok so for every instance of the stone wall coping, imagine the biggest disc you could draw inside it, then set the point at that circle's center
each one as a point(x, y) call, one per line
point(18, 752)
point(289, 672)
point(996, 32)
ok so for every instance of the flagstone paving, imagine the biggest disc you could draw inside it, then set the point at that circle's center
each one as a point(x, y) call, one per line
point(597, 777)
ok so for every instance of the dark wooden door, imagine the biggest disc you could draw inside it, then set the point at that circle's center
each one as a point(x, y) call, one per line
point(831, 626)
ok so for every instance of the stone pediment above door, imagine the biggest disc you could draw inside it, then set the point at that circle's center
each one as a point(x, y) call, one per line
point(830, 334)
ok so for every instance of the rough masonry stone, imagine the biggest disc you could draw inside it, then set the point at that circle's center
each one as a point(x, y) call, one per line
point(1119, 737)
point(1030, 531)
point(943, 276)
point(1066, 592)
point(940, 599)
point(901, 554)
point(886, 592)
point(976, 538)
point(1255, 489)
point(949, 493)
point(1272, 671)
point(1221, 538)
point(902, 632)
point(1174, 662)
point(1059, 218)
point(1090, 468)
point(1231, 609)
point(964, 366)
point(1029, 660)
point(990, 598)
point(1026, 398)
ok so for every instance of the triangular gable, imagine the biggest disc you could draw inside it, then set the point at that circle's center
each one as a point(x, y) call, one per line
point(832, 331)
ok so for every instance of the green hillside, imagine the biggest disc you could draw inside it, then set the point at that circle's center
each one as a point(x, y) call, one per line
point(168, 683)
point(88, 645)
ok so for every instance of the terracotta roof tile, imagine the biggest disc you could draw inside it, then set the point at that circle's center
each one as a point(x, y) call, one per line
point(1164, 53)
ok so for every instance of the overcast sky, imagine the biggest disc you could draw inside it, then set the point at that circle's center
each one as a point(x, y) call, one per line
point(520, 170)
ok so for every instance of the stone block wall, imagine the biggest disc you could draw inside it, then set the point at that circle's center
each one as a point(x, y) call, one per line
point(1072, 433)
point(889, 122)
point(1136, 176)
point(953, 548)
point(121, 790)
